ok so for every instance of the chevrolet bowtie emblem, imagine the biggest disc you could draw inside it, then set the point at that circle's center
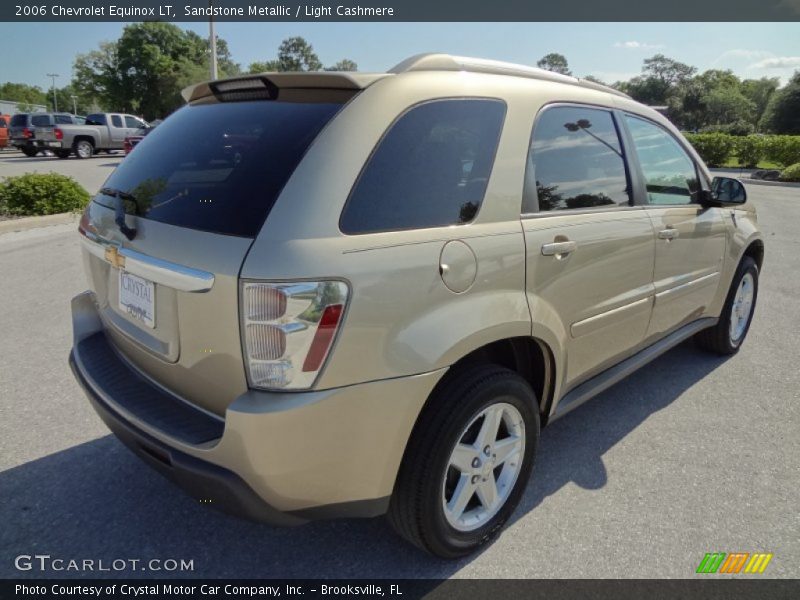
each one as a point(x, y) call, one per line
point(114, 257)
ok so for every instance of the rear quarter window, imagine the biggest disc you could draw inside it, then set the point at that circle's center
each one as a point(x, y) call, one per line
point(430, 169)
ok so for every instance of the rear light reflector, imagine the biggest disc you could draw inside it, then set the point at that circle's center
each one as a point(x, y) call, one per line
point(323, 338)
point(288, 330)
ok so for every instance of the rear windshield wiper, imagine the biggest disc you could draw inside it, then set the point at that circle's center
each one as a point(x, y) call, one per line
point(119, 209)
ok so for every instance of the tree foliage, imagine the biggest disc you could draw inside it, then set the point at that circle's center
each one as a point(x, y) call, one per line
point(782, 114)
point(144, 71)
point(296, 54)
point(554, 62)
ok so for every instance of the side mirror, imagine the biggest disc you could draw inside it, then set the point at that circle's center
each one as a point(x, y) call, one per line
point(726, 191)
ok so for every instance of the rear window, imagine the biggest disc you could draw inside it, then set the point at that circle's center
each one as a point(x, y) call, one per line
point(2, 123)
point(217, 167)
point(19, 120)
point(63, 119)
point(41, 121)
point(97, 119)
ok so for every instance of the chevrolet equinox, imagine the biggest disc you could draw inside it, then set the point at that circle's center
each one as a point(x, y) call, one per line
point(320, 295)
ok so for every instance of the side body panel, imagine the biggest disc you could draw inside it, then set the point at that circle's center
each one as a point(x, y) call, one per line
point(598, 297)
point(688, 267)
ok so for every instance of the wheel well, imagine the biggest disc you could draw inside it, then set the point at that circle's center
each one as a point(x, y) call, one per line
point(756, 252)
point(528, 357)
point(80, 138)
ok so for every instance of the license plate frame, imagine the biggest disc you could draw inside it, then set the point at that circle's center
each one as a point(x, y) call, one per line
point(137, 298)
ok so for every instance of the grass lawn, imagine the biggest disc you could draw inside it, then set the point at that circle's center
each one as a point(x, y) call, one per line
point(733, 163)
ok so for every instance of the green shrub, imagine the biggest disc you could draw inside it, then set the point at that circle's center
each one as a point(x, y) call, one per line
point(41, 194)
point(750, 150)
point(791, 173)
point(713, 148)
point(783, 149)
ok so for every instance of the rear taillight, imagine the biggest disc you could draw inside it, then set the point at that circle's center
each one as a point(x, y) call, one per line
point(59, 133)
point(26, 133)
point(288, 330)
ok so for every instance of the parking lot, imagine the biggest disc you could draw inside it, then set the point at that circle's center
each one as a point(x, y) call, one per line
point(90, 173)
point(693, 454)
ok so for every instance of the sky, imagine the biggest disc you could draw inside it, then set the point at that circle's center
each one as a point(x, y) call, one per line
point(609, 51)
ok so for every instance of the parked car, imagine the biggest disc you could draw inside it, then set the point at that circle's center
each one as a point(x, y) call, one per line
point(327, 294)
point(29, 131)
point(4, 120)
point(101, 132)
point(131, 141)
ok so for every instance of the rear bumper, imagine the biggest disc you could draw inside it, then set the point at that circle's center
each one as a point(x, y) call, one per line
point(34, 143)
point(280, 458)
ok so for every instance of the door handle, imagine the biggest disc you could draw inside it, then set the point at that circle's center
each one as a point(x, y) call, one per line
point(558, 248)
point(668, 234)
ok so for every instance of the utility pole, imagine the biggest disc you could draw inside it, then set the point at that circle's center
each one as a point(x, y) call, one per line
point(55, 99)
point(212, 38)
point(74, 104)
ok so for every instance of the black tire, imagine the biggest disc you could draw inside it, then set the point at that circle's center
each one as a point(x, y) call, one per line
point(718, 339)
point(63, 153)
point(83, 149)
point(416, 510)
point(30, 152)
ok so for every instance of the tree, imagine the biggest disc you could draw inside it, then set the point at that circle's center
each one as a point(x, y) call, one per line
point(667, 70)
point(296, 54)
point(554, 62)
point(145, 69)
point(23, 93)
point(594, 79)
point(759, 92)
point(343, 65)
point(783, 111)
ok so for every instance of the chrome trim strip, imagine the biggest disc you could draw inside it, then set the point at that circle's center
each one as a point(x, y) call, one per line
point(163, 272)
point(609, 317)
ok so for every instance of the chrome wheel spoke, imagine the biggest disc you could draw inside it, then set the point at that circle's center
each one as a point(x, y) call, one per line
point(491, 423)
point(487, 492)
point(506, 449)
point(463, 457)
point(461, 496)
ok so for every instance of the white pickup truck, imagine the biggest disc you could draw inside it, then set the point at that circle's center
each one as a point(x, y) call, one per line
point(102, 132)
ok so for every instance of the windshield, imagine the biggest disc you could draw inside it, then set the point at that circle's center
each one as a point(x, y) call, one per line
point(217, 167)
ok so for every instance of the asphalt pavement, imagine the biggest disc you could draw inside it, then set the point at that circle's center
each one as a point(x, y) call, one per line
point(90, 172)
point(693, 454)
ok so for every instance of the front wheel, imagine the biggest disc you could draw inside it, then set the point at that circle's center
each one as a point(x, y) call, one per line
point(468, 461)
point(727, 335)
point(83, 149)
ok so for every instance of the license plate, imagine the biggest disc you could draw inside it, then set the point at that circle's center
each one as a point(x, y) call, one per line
point(137, 298)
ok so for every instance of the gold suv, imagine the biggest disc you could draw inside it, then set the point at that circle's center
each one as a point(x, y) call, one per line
point(340, 295)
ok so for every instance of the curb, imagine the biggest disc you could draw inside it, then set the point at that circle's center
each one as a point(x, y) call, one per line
point(26, 223)
point(744, 177)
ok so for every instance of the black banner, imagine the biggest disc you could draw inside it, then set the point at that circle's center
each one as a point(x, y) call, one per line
point(706, 588)
point(401, 10)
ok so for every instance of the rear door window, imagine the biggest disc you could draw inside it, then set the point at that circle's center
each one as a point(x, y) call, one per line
point(577, 161)
point(218, 167)
point(116, 120)
point(431, 168)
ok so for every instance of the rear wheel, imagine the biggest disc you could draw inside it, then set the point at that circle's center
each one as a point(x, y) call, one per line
point(83, 149)
point(63, 153)
point(30, 152)
point(727, 335)
point(468, 461)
